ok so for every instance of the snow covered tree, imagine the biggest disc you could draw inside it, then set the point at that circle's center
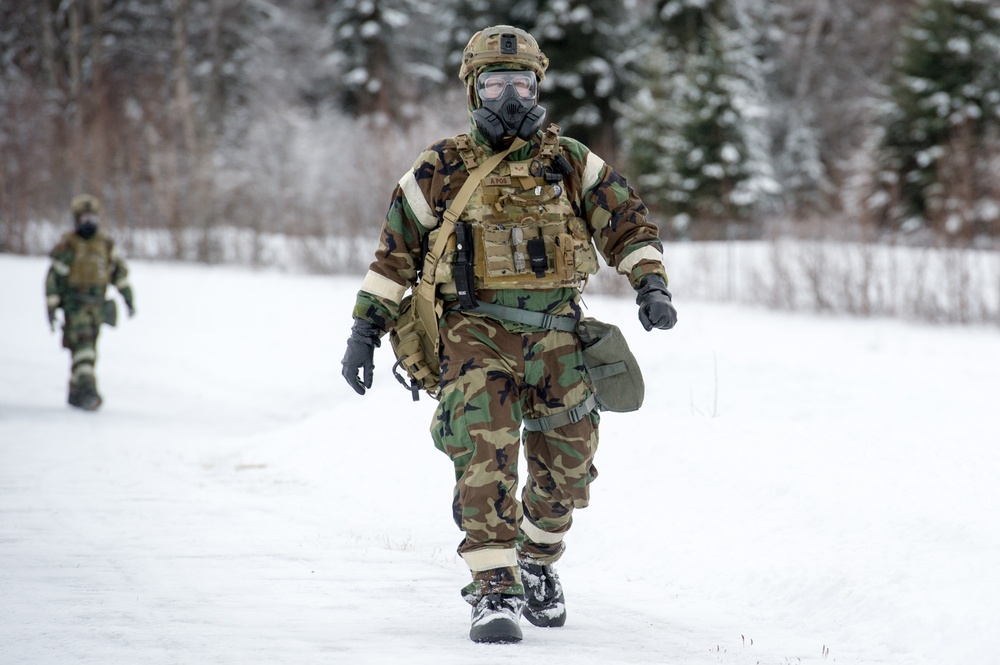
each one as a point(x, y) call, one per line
point(587, 43)
point(388, 54)
point(790, 43)
point(942, 135)
point(696, 129)
point(799, 164)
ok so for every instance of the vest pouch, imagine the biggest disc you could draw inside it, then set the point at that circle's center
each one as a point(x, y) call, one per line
point(565, 255)
point(613, 369)
point(415, 352)
point(585, 257)
point(109, 313)
point(495, 253)
point(444, 270)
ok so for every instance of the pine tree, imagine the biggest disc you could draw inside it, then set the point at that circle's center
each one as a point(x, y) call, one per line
point(385, 56)
point(587, 43)
point(696, 129)
point(942, 134)
point(794, 46)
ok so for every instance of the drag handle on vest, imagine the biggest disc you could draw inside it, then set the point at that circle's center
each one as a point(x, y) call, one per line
point(465, 285)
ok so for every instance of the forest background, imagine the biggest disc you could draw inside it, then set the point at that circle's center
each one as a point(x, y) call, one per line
point(830, 154)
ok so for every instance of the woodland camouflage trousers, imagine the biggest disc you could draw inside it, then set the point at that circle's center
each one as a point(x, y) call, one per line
point(490, 379)
point(80, 333)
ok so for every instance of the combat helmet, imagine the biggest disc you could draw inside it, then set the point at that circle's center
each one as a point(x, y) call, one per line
point(85, 203)
point(502, 45)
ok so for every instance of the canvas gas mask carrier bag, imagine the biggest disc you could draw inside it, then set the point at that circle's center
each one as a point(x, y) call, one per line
point(613, 369)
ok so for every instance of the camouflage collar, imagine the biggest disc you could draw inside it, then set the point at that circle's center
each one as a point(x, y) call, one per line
point(518, 155)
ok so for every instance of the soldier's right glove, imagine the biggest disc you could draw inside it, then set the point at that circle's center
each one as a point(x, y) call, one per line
point(52, 319)
point(360, 354)
point(655, 308)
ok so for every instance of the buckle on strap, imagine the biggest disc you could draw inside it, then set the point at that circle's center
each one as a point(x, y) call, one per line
point(562, 418)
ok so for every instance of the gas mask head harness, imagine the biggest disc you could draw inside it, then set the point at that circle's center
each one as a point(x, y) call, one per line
point(508, 105)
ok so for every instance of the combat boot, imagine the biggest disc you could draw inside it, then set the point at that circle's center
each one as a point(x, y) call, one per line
point(495, 619)
point(88, 396)
point(74, 395)
point(91, 402)
point(545, 604)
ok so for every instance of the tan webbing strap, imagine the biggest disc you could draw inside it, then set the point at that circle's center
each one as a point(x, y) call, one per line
point(423, 295)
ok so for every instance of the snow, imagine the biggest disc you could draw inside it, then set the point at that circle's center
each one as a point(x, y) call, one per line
point(796, 489)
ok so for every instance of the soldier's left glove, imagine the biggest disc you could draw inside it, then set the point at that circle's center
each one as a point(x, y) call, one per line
point(360, 354)
point(131, 309)
point(52, 319)
point(655, 308)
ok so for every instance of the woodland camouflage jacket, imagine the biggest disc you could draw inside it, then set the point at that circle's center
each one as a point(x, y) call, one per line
point(82, 269)
point(601, 196)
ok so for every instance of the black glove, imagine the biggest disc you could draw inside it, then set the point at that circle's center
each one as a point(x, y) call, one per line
point(655, 308)
point(131, 309)
point(360, 354)
point(52, 319)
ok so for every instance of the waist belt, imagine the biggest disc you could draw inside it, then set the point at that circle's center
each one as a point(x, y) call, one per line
point(537, 319)
point(85, 299)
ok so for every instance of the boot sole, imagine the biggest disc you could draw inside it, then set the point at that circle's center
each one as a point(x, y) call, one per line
point(543, 618)
point(497, 631)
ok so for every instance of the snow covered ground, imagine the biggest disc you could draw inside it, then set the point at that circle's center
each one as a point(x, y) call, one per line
point(796, 489)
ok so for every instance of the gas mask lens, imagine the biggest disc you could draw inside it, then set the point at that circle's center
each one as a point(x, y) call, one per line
point(491, 85)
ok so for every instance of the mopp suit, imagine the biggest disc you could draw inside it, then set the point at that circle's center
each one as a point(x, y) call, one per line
point(536, 224)
point(84, 263)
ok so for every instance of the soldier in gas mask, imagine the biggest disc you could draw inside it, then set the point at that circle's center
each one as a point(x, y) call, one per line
point(508, 291)
point(84, 262)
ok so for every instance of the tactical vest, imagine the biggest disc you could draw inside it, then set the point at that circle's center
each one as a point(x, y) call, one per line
point(91, 265)
point(525, 233)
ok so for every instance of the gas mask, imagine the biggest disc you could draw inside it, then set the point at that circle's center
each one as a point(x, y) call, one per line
point(86, 225)
point(508, 105)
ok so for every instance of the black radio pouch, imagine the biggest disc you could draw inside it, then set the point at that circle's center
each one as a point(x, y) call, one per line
point(465, 281)
point(536, 254)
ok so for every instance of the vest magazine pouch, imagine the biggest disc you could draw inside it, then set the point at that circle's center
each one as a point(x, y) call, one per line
point(109, 313)
point(445, 264)
point(613, 369)
point(416, 354)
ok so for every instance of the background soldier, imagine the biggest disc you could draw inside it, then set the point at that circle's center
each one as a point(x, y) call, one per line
point(534, 221)
point(84, 262)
